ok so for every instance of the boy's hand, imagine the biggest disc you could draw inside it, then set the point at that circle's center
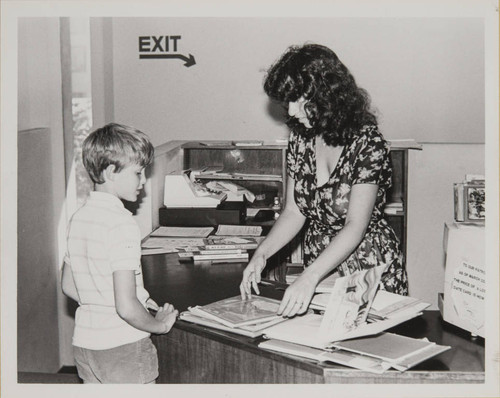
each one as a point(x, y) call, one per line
point(167, 315)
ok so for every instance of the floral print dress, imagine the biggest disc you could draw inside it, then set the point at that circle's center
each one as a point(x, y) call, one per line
point(364, 161)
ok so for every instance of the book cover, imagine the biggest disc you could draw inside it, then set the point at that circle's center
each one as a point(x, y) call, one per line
point(235, 312)
point(253, 330)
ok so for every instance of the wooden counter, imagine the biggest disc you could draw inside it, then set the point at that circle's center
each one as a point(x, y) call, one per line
point(196, 354)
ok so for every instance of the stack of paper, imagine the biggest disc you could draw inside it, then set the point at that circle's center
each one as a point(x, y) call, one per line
point(232, 242)
point(201, 254)
point(173, 239)
point(247, 317)
point(373, 354)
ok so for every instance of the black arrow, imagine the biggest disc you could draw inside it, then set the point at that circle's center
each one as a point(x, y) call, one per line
point(189, 61)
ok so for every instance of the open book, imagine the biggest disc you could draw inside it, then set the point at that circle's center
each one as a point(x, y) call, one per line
point(346, 314)
point(385, 305)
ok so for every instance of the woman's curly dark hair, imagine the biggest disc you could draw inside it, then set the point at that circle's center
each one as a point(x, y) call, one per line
point(337, 108)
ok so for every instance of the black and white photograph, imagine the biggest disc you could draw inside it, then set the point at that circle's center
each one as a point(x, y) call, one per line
point(160, 158)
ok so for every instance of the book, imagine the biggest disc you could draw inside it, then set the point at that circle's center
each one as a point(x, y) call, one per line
point(340, 357)
point(253, 330)
point(375, 355)
point(159, 244)
point(346, 314)
point(400, 351)
point(238, 230)
point(306, 330)
point(236, 312)
point(194, 232)
point(225, 256)
point(390, 305)
point(385, 305)
point(232, 242)
point(198, 250)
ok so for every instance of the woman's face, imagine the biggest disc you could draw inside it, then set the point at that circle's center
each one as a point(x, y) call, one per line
point(297, 110)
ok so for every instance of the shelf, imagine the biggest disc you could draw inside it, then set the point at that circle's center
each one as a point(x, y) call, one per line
point(262, 169)
point(240, 176)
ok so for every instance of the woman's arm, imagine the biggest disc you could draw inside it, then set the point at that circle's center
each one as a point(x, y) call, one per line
point(362, 201)
point(130, 309)
point(288, 224)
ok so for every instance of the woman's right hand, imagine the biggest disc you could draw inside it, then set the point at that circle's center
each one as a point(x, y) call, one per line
point(251, 276)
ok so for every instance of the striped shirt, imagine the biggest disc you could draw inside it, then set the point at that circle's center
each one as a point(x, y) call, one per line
point(103, 238)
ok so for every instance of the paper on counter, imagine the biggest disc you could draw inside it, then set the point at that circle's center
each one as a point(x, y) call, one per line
point(169, 245)
point(194, 232)
point(239, 230)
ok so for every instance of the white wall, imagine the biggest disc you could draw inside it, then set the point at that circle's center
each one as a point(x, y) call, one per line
point(425, 75)
point(40, 106)
point(432, 173)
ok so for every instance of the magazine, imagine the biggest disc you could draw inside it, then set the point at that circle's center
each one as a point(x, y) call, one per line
point(253, 330)
point(236, 312)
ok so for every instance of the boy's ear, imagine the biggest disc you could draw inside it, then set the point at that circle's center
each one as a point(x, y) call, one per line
point(109, 173)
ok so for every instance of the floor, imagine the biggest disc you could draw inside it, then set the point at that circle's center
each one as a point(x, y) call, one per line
point(66, 375)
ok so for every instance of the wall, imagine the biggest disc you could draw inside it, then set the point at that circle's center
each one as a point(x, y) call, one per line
point(432, 173)
point(41, 193)
point(425, 77)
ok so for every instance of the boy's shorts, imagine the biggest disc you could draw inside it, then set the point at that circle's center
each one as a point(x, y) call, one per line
point(129, 363)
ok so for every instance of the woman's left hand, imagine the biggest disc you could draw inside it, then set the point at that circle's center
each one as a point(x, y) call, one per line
point(297, 297)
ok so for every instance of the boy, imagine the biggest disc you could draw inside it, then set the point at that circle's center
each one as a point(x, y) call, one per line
point(102, 269)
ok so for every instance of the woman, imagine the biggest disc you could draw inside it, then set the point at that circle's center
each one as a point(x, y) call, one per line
point(338, 172)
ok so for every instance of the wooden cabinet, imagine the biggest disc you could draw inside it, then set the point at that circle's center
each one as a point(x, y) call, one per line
point(262, 169)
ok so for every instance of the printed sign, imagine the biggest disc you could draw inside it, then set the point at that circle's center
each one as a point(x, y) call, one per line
point(163, 47)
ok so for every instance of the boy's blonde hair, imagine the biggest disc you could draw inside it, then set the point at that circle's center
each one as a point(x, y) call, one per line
point(118, 145)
